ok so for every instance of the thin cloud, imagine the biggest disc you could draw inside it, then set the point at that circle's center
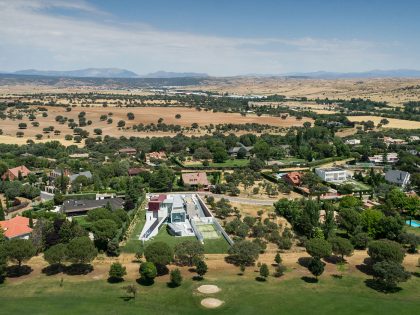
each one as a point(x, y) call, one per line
point(66, 42)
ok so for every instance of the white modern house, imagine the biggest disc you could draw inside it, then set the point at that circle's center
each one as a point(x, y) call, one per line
point(183, 215)
point(352, 141)
point(391, 157)
point(332, 175)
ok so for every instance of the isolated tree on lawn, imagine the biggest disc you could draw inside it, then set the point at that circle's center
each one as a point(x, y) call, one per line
point(148, 272)
point(316, 267)
point(201, 268)
point(117, 272)
point(264, 272)
point(176, 277)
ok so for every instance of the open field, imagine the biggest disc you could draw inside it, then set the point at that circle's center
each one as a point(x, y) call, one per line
point(393, 123)
point(393, 90)
point(144, 115)
point(291, 294)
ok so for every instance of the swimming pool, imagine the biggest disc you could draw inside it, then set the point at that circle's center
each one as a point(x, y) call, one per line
point(413, 223)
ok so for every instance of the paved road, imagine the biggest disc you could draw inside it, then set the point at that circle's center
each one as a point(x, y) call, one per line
point(249, 201)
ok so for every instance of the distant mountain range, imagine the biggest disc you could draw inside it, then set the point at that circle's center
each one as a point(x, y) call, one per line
point(168, 75)
point(108, 73)
point(126, 74)
point(82, 73)
point(402, 73)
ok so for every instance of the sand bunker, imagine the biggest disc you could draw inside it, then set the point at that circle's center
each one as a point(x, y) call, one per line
point(211, 303)
point(208, 289)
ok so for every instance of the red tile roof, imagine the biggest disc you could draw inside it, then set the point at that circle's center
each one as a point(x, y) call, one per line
point(294, 177)
point(14, 172)
point(15, 227)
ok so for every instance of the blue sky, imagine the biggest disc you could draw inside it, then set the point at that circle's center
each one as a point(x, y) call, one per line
point(218, 37)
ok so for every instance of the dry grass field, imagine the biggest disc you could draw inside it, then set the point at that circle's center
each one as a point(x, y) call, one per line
point(395, 91)
point(393, 123)
point(145, 115)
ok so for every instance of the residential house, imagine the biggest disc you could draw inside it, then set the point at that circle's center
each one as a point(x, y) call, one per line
point(161, 155)
point(128, 151)
point(66, 173)
point(195, 180)
point(391, 157)
point(397, 177)
point(389, 140)
point(332, 175)
point(233, 152)
point(352, 141)
point(293, 178)
point(14, 173)
point(79, 155)
point(17, 227)
point(80, 207)
point(133, 171)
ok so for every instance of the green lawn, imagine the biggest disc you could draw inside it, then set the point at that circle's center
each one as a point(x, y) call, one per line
point(213, 246)
point(227, 163)
point(358, 186)
point(242, 295)
point(82, 221)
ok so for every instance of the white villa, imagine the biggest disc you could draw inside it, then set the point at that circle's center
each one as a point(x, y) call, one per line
point(332, 175)
point(184, 215)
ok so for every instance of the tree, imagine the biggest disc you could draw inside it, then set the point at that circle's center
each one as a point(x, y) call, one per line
point(148, 271)
point(81, 250)
point(389, 273)
point(277, 259)
point(316, 267)
point(201, 268)
point(280, 270)
point(160, 254)
point(19, 250)
point(386, 250)
point(2, 217)
point(56, 254)
point(370, 220)
point(361, 240)
point(349, 219)
point(121, 124)
point(130, 116)
point(188, 252)
point(264, 272)
point(243, 253)
point(318, 248)
point(104, 230)
point(176, 278)
point(117, 272)
point(342, 247)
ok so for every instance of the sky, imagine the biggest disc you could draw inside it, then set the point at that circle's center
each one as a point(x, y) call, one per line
point(218, 37)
